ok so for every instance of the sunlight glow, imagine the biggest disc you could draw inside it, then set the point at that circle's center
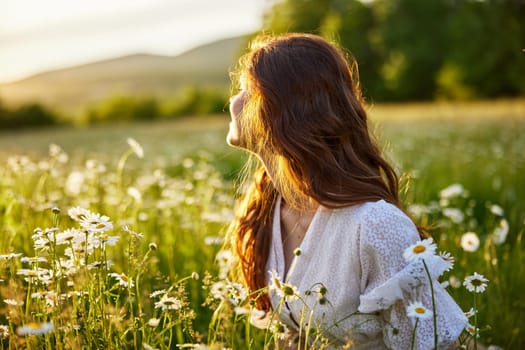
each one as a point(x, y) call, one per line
point(42, 35)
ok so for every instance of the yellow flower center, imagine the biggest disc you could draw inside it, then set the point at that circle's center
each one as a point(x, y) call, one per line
point(418, 249)
point(419, 310)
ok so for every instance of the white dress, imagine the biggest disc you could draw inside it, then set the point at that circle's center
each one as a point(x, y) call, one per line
point(356, 253)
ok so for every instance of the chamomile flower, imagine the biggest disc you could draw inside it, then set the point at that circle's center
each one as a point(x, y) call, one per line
point(420, 250)
point(476, 283)
point(416, 309)
point(275, 280)
point(213, 240)
point(35, 328)
point(10, 256)
point(27, 272)
point(153, 322)
point(168, 303)
point(122, 279)
point(500, 232)
point(33, 259)
point(134, 193)
point(472, 330)
point(470, 242)
point(280, 330)
point(470, 313)
point(218, 290)
point(496, 210)
point(454, 214)
point(77, 213)
point(454, 190)
point(13, 302)
point(66, 236)
point(104, 239)
point(95, 222)
point(156, 293)
point(4, 331)
point(136, 147)
point(449, 259)
point(283, 290)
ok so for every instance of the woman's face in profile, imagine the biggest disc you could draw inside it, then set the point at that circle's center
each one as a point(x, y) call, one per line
point(236, 106)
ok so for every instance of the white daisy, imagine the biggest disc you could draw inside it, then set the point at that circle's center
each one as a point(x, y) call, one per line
point(4, 331)
point(153, 322)
point(13, 302)
point(454, 282)
point(496, 210)
point(420, 250)
point(280, 330)
point(157, 293)
point(97, 241)
point(95, 222)
point(237, 292)
point(122, 279)
point(134, 193)
point(283, 290)
point(454, 190)
point(476, 283)
point(10, 256)
point(275, 280)
point(454, 214)
point(136, 147)
point(500, 232)
point(35, 328)
point(473, 331)
point(449, 259)
point(77, 213)
point(168, 303)
point(68, 235)
point(416, 309)
point(470, 312)
point(33, 259)
point(213, 240)
point(470, 242)
point(218, 290)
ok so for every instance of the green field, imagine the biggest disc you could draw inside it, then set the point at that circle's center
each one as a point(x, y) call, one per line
point(180, 197)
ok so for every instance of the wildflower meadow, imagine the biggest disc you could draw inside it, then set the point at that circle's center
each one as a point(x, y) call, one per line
point(113, 238)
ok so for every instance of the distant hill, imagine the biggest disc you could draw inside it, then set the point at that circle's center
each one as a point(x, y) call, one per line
point(71, 89)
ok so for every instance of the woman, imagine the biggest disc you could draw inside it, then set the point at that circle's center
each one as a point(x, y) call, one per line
point(321, 224)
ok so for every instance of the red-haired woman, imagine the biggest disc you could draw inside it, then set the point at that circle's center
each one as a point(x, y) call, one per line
point(322, 217)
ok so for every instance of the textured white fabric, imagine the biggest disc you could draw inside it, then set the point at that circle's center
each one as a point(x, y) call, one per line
point(356, 253)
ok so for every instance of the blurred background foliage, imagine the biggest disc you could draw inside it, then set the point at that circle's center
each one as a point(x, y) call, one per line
point(412, 50)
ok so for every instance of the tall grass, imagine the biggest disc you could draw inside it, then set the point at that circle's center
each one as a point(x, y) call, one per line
point(160, 282)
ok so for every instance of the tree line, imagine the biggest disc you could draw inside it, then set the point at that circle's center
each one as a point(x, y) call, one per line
point(119, 108)
point(410, 50)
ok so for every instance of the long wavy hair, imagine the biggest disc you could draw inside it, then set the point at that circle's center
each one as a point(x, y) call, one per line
point(304, 116)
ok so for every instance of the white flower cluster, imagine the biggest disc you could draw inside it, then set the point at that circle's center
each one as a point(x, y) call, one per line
point(422, 251)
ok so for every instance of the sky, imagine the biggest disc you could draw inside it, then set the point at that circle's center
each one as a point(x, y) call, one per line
point(41, 35)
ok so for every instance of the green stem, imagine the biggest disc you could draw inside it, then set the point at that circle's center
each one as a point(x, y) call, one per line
point(121, 165)
point(434, 316)
point(414, 335)
point(475, 323)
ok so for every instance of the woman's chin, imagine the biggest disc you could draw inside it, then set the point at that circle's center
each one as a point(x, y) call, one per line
point(232, 139)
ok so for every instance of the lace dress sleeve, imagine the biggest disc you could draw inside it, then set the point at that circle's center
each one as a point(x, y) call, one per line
point(389, 283)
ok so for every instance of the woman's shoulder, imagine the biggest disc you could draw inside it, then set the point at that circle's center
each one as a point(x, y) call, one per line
point(382, 220)
point(374, 211)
